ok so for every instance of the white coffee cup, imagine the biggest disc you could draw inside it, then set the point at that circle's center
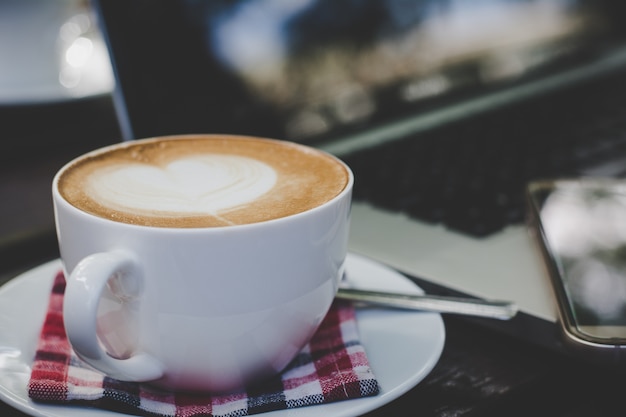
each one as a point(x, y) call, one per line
point(152, 295)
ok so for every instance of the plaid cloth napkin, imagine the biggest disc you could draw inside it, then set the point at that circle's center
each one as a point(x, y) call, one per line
point(332, 367)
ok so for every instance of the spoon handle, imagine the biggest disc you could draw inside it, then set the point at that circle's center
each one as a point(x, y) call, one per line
point(502, 310)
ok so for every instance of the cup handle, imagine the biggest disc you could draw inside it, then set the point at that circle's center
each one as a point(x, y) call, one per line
point(83, 290)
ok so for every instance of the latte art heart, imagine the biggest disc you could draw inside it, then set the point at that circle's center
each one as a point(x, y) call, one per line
point(197, 184)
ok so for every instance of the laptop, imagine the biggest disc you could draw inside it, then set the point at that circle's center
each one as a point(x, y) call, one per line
point(444, 110)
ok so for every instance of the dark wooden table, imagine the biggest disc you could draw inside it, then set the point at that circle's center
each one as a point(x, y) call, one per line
point(481, 372)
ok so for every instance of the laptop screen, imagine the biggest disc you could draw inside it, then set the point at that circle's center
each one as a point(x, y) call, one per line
point(309, 70)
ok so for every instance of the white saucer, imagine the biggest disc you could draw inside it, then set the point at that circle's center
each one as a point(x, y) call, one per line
point(402, 346)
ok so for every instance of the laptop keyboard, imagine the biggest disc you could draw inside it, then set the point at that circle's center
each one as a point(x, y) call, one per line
point(470, 176)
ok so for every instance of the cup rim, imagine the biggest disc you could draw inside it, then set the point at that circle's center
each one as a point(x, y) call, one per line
point(59, 199)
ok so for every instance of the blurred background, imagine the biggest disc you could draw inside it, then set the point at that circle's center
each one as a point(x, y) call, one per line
point(55, 103)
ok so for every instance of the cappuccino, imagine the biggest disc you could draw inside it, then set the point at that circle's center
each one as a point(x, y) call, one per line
point(201, 181)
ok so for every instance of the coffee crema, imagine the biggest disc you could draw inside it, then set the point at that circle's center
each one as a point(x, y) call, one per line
point(201, 181)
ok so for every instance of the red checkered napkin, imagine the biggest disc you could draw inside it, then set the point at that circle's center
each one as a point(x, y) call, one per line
point(332, 367)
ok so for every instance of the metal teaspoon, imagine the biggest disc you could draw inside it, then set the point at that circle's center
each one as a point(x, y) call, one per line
point(502, 310)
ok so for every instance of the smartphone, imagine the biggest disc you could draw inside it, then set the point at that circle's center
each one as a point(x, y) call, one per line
point(580, 228)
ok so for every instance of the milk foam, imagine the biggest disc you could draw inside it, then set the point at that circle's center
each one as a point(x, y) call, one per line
point(195, 184)
point(192, 181)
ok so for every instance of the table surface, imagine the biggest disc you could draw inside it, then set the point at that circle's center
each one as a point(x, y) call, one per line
point(480, 373)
